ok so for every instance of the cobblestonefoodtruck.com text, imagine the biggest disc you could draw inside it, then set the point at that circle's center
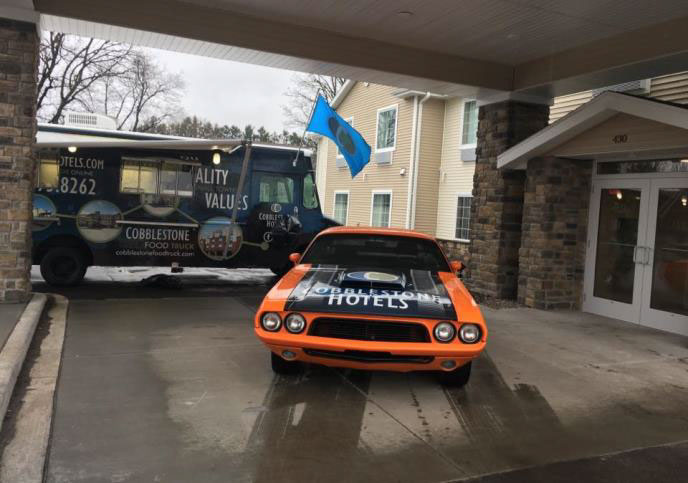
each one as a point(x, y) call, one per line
point(176, 240)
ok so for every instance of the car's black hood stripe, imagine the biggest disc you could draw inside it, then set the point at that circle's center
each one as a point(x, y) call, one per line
point(325, 288)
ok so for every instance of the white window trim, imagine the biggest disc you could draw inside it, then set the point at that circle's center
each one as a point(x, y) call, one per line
point(334, 204)
point(394, 107)
point(372, 203)
point(463, 116)
point(456, 208)
point(339, 155)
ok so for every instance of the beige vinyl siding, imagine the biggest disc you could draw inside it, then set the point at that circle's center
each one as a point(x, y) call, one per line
point(362, 104)
point(565, 104)
point(644, 136)
point(429, 166)
point(672, 87)
point(456, 176)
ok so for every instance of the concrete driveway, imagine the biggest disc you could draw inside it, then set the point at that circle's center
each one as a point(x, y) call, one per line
point(164, 385)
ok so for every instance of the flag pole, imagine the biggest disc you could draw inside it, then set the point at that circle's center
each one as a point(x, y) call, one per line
point(308, 121)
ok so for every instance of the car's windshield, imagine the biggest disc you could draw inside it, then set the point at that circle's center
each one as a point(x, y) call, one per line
point(376, 251)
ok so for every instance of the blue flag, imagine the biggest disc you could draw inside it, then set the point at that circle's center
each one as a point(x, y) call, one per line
point(351, 144)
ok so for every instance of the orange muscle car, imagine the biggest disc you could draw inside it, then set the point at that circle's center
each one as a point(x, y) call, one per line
point(373, 298)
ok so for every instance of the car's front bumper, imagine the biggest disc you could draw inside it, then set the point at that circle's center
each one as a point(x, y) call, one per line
point(371, 355)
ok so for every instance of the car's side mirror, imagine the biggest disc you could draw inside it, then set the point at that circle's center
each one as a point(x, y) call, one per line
point(293, 225)
point(295, 257)
point(457, 266)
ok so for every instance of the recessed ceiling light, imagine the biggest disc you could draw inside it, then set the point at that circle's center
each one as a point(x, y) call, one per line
point(405, 13)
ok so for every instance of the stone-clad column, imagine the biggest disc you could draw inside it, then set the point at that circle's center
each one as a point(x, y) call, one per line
point(18, 62)
point(497, 206)
point(555, 223)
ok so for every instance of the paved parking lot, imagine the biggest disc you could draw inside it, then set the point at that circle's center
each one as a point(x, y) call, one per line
point(171, 385)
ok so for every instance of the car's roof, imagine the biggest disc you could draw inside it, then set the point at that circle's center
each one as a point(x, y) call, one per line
point(366, 230)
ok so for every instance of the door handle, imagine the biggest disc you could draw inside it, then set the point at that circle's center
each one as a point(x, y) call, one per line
point(646, 256)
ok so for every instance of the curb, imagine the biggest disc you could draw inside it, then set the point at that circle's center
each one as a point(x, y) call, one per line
point(15, 349)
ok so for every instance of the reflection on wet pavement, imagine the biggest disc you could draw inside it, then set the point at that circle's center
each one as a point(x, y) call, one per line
point(313, 430)
point(179, 389)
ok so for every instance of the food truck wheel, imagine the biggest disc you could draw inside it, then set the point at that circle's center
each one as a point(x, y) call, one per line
point(63, 266)
point(284, 367)
point(456, 378)
point(282, 270)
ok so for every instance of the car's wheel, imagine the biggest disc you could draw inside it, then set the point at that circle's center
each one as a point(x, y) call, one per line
point(456, 378)
point(281, 270)
point(284, 367)
point(63, 266)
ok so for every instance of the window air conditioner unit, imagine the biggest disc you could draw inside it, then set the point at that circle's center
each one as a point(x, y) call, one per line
point(384, 157)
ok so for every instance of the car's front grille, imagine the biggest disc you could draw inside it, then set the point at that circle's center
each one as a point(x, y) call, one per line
point(373, 330)
point(369, 356)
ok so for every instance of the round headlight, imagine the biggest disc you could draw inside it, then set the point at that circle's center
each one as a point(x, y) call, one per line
point(444, 332)
point(469, 333)
point(295, 323)
point(271, 321)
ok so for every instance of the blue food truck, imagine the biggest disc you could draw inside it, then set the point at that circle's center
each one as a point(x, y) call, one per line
point(118, 199)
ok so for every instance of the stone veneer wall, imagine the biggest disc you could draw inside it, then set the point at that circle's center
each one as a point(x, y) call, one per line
point(497, 207)
point(455, 250)
point(18, 63)
point(554, 232)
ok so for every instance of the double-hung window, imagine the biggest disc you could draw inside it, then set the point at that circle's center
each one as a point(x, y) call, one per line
point(469, 129)
point(386, 134)
point(463, 218)
point(341, 206)
point(381, 209)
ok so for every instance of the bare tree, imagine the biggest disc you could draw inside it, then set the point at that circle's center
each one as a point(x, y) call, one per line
point(301, 95)
point(107, 78)
point(70, 67)
point(145, 91)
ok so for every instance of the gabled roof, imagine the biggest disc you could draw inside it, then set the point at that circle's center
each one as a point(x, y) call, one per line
point(587, 116)
point(401, 93)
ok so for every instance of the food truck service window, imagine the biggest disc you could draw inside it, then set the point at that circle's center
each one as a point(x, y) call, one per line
point(48, 173)
point(156, 177)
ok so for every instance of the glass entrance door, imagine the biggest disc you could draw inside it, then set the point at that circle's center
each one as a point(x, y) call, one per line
point(637, 254)
point(665, 278)
point(614, 265)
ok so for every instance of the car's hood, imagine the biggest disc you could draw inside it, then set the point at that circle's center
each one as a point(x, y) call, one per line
point(334, 289)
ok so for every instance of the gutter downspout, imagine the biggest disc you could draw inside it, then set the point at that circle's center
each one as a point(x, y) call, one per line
point(415, 154)
point(414, 126)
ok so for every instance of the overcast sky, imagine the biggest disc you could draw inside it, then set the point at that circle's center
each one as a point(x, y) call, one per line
point(229, 93)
